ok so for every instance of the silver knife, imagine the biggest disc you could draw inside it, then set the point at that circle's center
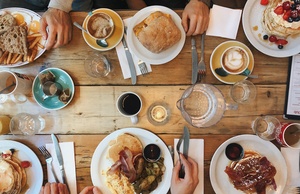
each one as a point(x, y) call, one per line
point(185, 151)
point(59, 159)
point(194, 61)
point(130, 62)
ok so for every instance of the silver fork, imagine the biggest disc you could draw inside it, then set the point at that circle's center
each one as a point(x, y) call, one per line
point(201, 64)
point(143, 67)
point(49, 160)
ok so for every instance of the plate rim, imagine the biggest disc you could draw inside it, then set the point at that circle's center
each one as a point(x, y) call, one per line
point(135, 131)
point(243, 137)
point(42, 51)
point(136, 19)
point(36, 79)
point(34, 160)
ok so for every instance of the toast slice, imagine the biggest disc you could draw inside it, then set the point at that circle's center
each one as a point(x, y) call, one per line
point(14, 40)
point(6, 21)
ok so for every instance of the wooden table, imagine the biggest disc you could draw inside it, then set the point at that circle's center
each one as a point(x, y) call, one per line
point(92, 113)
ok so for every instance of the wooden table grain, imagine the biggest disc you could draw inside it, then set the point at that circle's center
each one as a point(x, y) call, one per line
point(92, 114)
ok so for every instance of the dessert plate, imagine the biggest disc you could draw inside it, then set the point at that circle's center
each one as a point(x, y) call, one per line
point(144, 54)
point(215, 63)
point(252, 25)
point(32, 19)
point(116, 36)
point(219, 179)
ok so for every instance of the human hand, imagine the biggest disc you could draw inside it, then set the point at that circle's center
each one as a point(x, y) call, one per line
point(195, 18)
point(188, 184)
point(54, 188)
point(59, 28)
point(90, 190)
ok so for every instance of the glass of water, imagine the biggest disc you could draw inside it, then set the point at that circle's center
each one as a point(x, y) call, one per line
point(265, 127)
point(243, 92)
point(26, 124)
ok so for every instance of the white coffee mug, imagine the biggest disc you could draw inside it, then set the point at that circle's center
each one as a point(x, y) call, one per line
point(12, 83)
point(129, 104)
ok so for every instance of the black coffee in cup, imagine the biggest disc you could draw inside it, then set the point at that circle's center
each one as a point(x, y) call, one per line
point(131, 104)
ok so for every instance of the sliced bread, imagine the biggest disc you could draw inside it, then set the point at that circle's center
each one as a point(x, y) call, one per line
point(14, 40)
point(6, 21)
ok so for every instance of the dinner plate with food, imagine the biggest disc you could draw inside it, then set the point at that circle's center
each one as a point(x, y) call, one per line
point(21, 170)
point(272, 29)
point(155, 34)
point(261, 170)
point(118, 165)
point(114, 38)
point(20, 40)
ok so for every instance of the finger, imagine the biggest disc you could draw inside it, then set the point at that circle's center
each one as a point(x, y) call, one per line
point(43, 26)
point(47, 188)
point(192, 26)
point(54, 188)
point(42, 190)
point(51, 39)
point(86, 189)
point(62, 188)
point(184, 22)
point(187, 165)
point(175, 174)
point(96, 190)
point(194, 168)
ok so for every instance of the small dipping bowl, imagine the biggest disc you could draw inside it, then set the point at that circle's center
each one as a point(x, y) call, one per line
point(152, 153)
point(234, 152)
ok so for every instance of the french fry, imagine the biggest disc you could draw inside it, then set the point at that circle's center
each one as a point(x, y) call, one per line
point(33, 54)
point(40, 45)
point(34, 42)
point(18, 58)
point(34, 35)
point(8, 58)
point(14, 57)
point(23, 24)
point(24, 57)
point(3, 57)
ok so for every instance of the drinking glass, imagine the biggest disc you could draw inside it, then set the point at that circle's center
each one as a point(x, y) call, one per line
point(265, 127)
point(243, 92)
point(26, 124)
point(97, 65)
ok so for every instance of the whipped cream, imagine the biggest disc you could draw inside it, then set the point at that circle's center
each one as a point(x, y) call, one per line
point(279, 20)
point(234, 59)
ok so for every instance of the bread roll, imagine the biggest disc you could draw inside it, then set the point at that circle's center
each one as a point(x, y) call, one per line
point(157, 32)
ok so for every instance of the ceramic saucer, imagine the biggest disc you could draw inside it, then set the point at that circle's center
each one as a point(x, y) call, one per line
point(53, 103)
point(116, 36)
point(215, 62)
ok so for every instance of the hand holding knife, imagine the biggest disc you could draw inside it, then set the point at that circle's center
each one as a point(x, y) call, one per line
point(60, 160)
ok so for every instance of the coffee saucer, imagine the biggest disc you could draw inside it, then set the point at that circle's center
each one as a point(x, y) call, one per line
point(116, 36)
point(215, 62)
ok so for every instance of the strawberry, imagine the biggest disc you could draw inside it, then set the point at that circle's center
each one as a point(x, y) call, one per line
point(264, 2)
point(272, 38)
point(286, 15)
point(25, 164)
point(281, 42)
point(279, 10)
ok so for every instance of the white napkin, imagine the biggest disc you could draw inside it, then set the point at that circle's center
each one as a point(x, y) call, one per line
point(196, 152)
point(67, 149)
point(223, 22)
point(123, 60)
point(291, 157)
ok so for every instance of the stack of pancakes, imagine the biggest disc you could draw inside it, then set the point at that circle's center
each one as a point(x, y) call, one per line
point(275, 24)
point(12, 175)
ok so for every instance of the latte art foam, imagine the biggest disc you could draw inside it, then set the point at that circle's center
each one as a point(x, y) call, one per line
point(235, 60)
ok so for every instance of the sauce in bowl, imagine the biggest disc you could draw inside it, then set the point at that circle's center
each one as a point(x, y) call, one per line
point(152, 153)
point(234, 151)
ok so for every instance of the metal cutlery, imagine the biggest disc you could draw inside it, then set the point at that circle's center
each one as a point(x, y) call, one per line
point(201, 64)
point(143, 67)
point(186, 141)
point(130, 61)
point(59, 159)
point(8, 87)
point(49, 160)
point(194, 61)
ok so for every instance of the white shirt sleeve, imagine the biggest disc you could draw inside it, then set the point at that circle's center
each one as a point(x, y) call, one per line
point(64, 5)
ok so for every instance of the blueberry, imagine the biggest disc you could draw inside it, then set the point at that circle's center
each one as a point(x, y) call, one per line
point(297, 19)
point(265, 37)
point(293, 6)
point(297, 1)
point(280, 46)
point(290, 20)
point(12, 150)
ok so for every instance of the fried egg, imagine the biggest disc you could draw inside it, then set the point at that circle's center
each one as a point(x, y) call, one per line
point(34, 26)
point(22, 17)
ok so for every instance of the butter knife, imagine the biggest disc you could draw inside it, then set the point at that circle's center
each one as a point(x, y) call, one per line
point(59, 159)
point(194, 61)
point(185, 151)
point(130, 61)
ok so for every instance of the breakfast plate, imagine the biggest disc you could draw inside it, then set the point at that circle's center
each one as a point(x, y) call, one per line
point(144, 54)
point(220, 180)
point(252, 25)
point(34, 172)
point(32, 20)
point(53, 103)
point(100, 163)
point(215, 62)
point(115, 37)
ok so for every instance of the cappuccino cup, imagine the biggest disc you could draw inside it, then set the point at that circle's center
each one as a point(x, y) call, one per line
point(289, 135)
point(234, 60)
point(100, 25)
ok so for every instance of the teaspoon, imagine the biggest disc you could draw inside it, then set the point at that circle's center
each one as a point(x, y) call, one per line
point(100, 42)
point(221, 72)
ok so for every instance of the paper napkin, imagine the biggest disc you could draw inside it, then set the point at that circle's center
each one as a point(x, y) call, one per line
point(196, 152)
point(224, 22)
point(291, 157)
point(67, 149)
point(123, 60)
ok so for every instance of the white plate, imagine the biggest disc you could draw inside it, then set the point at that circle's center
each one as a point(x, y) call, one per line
point(144, 54)
point(34, 172)
point(100, 164)
point(252, 17)
point(33, 16)
point(219, 179)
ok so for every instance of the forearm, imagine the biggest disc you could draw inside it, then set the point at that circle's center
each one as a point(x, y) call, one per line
point(207, 2)
point(136, 4)
point(64, 5)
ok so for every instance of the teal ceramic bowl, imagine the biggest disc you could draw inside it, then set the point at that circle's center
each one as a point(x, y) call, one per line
point(53, 103)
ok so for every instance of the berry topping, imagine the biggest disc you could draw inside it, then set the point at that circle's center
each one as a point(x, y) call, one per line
point(264, 2)
point(294, 13)
point(280, 46)
point(286, 15)
point(272, 38)
point(286, 5)
point(25, 164)
point(279, 10)
point(265, 37)
point(281, 41)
